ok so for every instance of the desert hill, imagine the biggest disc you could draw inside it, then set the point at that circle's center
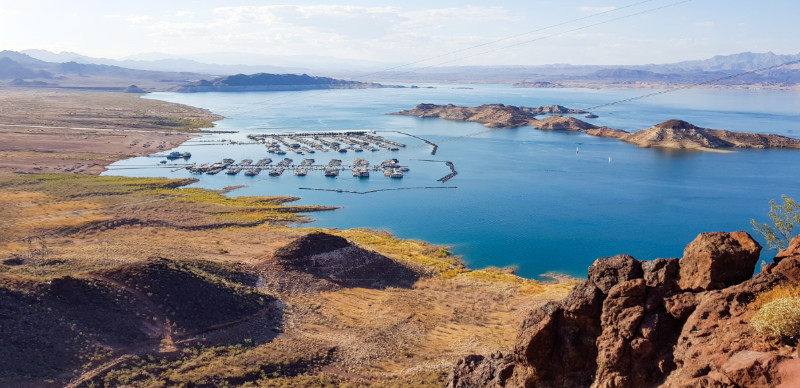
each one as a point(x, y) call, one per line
point(490, 115)
point(675, 134)
point(58, 325)
point(682, 135)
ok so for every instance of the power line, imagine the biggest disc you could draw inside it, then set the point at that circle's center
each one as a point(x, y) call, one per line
point(552, 35)
point(510, 37)
point(711, 81)
point(284, 99)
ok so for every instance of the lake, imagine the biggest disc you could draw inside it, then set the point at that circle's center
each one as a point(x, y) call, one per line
point(522, 197)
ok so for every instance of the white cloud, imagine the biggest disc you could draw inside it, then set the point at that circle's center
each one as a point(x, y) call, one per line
point(372, 33)
point(138, 19)
point(703, 24)
point(589, 9)
point(185, 14)
point(8, 12)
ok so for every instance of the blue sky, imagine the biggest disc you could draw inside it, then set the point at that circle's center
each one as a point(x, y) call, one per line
point(408, 31)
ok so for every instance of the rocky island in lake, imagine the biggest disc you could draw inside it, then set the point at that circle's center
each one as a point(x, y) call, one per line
point(272, 82)
point(676, 134)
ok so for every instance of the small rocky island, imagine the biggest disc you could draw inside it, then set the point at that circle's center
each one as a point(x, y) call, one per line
point(676, 134)
point(273, 82)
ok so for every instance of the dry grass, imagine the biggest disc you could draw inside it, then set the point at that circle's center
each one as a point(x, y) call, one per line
point(778, 292)
point(779, 319)
point(380, 337)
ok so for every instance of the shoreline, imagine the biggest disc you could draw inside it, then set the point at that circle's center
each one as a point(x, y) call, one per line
point(82, 156)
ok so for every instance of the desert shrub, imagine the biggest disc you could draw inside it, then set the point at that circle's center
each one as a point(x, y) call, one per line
point(781, 291)
point(778, 319)
point(784, 218)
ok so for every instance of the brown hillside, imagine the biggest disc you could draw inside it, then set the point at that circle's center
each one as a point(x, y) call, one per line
point(682, 135)
point(66, 322)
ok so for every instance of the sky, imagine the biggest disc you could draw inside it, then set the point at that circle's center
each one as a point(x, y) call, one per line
point(427, 33)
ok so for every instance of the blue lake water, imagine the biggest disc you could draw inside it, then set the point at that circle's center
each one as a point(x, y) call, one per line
point(524, 197)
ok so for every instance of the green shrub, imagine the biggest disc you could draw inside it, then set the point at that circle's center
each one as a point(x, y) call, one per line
point(779, 319)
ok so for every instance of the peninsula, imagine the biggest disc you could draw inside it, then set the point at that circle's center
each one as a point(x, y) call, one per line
point(675, 134)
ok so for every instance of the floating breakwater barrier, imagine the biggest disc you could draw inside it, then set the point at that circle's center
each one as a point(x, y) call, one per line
point(378, 190)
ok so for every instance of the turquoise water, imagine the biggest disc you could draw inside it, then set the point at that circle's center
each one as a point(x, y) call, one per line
point(523, 197)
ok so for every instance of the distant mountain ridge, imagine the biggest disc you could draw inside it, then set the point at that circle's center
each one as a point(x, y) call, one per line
point(42, 65)
point(23, 70)
point(272, 82)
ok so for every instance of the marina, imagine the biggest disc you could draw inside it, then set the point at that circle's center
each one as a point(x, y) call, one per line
point(360, 167)
point(311, 142)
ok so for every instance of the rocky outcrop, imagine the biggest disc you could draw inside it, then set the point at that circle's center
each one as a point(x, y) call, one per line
point(562, 123)
point(666, 322)
point(675, 134)
point(718, 260)
point(491, 115)
point(336, 260)
point(682, 135)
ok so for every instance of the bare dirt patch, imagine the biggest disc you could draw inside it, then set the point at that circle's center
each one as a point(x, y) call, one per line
point(81, 132)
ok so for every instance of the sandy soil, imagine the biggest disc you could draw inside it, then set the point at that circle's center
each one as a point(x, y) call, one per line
point(82, 132)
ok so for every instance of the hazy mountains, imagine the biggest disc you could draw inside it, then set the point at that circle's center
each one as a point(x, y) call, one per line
point(561, 75)
point(272, 82)
point(159, 72)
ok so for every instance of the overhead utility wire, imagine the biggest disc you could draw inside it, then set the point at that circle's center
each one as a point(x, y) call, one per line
point(550, 36)
point(283, 97)
point(711, 81)
point(508, 37)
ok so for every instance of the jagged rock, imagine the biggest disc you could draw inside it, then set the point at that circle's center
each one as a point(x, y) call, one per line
point(682, 305)
point(717, 329)
point(661, 272)
point(623, 310)
point(792, 250)
point(609, 271)
point(559, 334)
point(631, 325)
point(787, 261)
point(717, 260)
point(481, 372)
point(752, 369)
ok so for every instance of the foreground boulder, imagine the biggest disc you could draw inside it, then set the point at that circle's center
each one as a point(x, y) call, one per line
point(717, 260)
point(666, 322)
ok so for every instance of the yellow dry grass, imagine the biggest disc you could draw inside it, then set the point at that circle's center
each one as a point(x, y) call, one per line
point(778, 292)
point(378, 334)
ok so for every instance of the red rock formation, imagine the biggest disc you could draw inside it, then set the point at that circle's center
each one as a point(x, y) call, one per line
point(666, 322)
point(718, 260)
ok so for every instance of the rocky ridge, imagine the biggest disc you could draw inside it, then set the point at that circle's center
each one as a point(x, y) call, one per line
point(666, 322)
point(677, 134)
point(680, 134)
point(490, 115)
